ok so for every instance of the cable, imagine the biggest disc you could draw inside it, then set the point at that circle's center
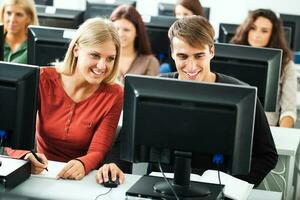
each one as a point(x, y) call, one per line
point(280, 175)
point(103, 194)
point(280, 172)
point(160, 168)
point(219, 177)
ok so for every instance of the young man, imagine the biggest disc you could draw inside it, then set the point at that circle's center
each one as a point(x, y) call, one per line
point(192, 44)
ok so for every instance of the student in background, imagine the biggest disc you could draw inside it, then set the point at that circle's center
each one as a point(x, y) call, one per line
point(192, 44)
point(188, 7)
point(262, 28)
point(79, 103)
point(136, 56)
point(16, 15)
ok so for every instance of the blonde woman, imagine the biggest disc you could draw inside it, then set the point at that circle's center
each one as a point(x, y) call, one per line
point(16, 15)
point(79, 103)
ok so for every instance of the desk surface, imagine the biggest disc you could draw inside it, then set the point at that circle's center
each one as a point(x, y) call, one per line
point(286, 140)
point(87, 188)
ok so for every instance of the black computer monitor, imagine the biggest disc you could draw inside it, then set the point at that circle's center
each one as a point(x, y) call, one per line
point(227, 31)
point(1, 42)
point(293, 21)
point(56, 17)
point(18, 104)
point(167, 9)
point(182, 120)
point(44, 2)
point(157, 28)
point(258, 67)
point(104, 8)
point(47, 45)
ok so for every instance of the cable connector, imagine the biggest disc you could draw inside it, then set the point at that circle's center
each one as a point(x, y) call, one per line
point(218, 159)
point(3, 134)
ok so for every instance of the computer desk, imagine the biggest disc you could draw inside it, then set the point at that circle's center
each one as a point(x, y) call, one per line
point(287, 143)
point(88, 189)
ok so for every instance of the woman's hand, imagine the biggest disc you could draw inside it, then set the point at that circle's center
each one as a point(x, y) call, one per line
point(36, 166)
point(73, 170)
point(113, 169)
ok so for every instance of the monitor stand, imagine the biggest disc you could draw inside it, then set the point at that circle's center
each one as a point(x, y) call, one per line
point(184, 188)
point(13, 172)
point(143, 188)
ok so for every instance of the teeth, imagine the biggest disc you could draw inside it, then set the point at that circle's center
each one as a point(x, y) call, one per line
point(192, 74)
point(97, 72)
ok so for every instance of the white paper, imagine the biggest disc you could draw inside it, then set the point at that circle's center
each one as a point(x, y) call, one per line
point(50, 10)
point(234, 188)
point(146, 18)
point(69, 34)
point(54, 168)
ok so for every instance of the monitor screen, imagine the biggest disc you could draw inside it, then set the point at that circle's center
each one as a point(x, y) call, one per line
point(157, 28)
point(18, 104)
point(227, 31)
point(104, 8)
point(64, 18)
point(293, 21)
point(44, 2)
point(160, 113)
point(47, 45)
point(258, 67)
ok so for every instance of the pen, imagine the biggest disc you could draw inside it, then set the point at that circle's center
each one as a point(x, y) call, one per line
point(36, 157)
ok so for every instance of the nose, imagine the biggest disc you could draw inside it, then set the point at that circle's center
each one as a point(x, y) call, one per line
point(101, 63)
point(191, 64)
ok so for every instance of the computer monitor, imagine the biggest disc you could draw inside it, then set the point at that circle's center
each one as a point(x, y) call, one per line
point(47, 45)
point(18, 97)
point(1, 42)
point(44, 2)
point(157, 28)
point(182, 120)
point(293, 21)
point(227, 31)
point(56, 17)
point(104, 8)
point(258, 67)
point(167, 9)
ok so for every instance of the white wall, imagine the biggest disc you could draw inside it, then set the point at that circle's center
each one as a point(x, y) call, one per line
point(229, 11)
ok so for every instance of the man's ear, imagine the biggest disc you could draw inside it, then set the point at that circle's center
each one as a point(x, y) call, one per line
point(212, 52)
point(76, 50)
point(172, 52)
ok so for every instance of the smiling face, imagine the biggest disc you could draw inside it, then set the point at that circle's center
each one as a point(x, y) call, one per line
point(260, 32)
point(127, 32)
point(181, 11)
point(192, 63)
point(94, 64)
point(16, 19)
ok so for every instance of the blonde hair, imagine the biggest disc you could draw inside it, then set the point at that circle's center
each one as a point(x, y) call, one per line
point(92, 32)
point(27, 5)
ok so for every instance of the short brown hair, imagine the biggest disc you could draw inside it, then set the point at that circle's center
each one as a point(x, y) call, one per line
point(195, 30)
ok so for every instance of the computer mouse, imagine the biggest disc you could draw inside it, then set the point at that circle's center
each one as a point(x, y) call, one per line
point(110, 183)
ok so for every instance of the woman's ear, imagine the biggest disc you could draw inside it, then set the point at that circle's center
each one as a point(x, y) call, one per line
point(212, 51)
point(76, 50)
